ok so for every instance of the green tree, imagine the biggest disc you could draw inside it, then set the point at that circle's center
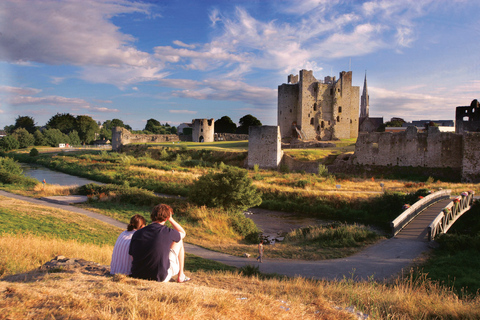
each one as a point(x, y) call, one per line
point(25, 122)
point(9, 142)
point(9, 128)
point(152, 126)
point(86, 128)
point(54, 137)
point(229, 189)
point(225, 125)
point(246, 122)
point(74, 138)
point(106, 130)
point(24, 138)
point(39, 138)
point(64, 122)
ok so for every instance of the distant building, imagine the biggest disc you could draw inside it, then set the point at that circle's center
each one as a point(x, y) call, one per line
point(183, 126)
point(468, 118)
point(2, 133)
point(365, 123)
point(422, 123)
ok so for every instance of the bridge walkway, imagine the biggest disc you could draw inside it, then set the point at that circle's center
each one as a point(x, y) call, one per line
point(417, 229)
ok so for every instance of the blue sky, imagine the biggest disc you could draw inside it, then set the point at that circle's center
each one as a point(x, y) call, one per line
point(177, 60)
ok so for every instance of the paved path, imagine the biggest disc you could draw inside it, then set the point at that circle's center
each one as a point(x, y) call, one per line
point(381, 261)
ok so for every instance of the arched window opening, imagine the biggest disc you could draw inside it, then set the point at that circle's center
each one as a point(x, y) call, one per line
point(311, 121)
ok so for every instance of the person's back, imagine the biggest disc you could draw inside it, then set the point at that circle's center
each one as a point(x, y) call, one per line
point(121, 260)
point(150, 248)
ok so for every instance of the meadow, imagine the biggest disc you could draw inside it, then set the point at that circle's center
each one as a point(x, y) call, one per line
point(134, 176)
point(216, 292)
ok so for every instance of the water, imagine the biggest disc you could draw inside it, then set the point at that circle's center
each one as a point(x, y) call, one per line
point(53, 177)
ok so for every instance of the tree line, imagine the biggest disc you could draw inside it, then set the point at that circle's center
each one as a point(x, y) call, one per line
point(81, 130)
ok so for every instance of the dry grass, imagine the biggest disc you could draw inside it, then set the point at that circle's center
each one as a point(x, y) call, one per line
point(25, 252)
point(211, 295)
point(41, 190)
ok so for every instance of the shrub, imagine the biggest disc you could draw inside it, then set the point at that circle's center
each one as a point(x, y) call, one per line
point(322, 170)
point(10, 165)
point(9, 142)
point(229, 189)
point(34, 152)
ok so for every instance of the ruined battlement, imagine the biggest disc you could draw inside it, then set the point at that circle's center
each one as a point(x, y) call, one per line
point(309, 109)
point(432, 149)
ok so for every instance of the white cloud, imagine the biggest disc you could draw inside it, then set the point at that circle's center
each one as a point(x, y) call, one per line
point(79, 33)
point(18, 90)
point(48, 100)
point(182, 44)
point(183, 111)
point(232, 91)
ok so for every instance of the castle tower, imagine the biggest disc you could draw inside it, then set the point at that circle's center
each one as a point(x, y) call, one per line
point(365, 100)
point(311, 109)
point(203, 130)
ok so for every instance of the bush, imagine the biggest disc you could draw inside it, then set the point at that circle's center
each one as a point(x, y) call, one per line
point(322, 170)
point(34, 152)
point(9, 142)
point(229, 189)
point(11, 166)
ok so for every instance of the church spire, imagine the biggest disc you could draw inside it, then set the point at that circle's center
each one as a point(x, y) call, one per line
point(364, 103)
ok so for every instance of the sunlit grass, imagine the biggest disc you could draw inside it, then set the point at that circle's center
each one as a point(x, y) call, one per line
point(218, 145)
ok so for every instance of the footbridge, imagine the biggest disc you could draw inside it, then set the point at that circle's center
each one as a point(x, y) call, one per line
point(431, 216)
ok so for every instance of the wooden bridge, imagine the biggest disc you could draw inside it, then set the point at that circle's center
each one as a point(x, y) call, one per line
point(431, 216)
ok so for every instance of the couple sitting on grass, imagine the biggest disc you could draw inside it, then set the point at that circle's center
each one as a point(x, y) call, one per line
point(153, 252)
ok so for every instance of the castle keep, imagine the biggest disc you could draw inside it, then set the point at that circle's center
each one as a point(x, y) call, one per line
point(309, 109)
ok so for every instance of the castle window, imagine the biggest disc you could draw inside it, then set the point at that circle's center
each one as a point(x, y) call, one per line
point(339, 109)
point(280, 112)
point(318, 128)
point(201, 130)
point(466, 118)
point(338, 118)
point(350, 120)
point(331, 92)
point(323, 124)
point(290, 110)
point(328, 122)
point(311, 121)
point(315, 106)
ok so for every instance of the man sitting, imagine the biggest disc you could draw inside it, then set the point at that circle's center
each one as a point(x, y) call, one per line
point(157, 250)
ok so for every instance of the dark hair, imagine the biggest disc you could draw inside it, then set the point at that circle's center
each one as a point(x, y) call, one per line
point(161, 212)
point(136, 222)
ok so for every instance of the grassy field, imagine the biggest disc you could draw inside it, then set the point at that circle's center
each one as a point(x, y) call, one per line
point(28, 293)
point(218, 145)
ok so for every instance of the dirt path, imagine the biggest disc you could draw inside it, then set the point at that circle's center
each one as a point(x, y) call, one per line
point(383, 260)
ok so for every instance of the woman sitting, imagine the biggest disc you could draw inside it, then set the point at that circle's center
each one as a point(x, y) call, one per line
point(121, 260)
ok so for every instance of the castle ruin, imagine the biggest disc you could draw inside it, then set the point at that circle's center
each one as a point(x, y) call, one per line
point(309, 109)
point(203, 130)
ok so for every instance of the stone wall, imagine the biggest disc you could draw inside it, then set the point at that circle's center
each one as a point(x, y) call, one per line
point(121, 137)
point(230, 137)
point(322, 110)
point(433, 149)
point(471, 157)
point(264, 147)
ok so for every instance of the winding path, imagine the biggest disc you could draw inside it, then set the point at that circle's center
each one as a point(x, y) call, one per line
point(383, 260)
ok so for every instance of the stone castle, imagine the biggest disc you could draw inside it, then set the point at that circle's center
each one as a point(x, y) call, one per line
point(309, 109)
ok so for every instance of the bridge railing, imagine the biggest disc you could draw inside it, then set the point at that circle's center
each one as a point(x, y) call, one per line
point(452, 211)
point(409, 214)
